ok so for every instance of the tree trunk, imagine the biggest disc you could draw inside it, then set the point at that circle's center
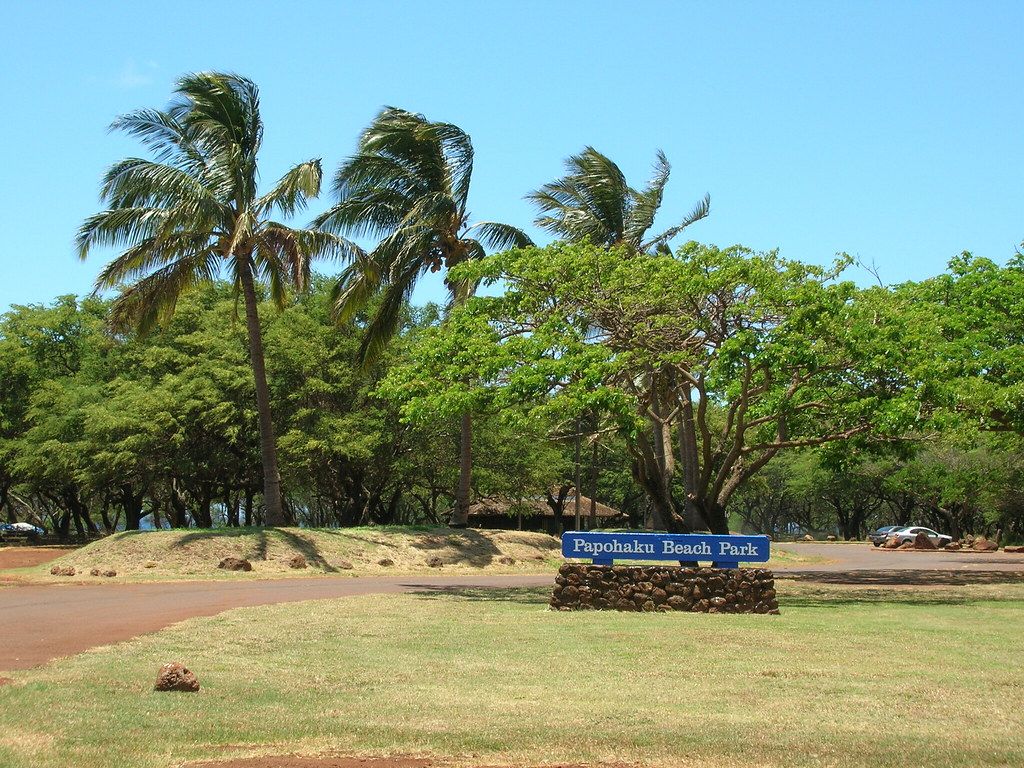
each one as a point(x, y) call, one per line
point(131, 503)
point(268, 446)
point(248, 506)
point(5, 503)
point(460, 512)
point(715, 516)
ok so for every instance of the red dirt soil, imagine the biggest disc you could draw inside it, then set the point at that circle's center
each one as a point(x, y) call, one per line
point(286, 761)
point(25, 557)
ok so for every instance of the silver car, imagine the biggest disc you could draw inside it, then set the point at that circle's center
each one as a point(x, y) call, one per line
point(879, 535)
point(909, 534)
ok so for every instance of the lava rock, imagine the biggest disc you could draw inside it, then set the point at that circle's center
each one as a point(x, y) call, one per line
point(921, 541)
point(235, 564)
point(175, 676)
point(297, 561)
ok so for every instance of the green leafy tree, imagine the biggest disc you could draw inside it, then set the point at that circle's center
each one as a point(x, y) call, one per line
point(408, 185)
point(970, 339)
point(756, 355)
point(194, 211)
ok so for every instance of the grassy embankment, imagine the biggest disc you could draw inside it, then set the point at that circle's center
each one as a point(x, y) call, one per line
point(194, 554)
point(845, 676)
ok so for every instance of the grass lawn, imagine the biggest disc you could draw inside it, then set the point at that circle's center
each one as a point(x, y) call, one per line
point(844, 677)
point(184, 555)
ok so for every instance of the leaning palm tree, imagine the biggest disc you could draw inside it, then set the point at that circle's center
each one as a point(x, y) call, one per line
point(192, 213)
point(408, 185)
point(593, 202)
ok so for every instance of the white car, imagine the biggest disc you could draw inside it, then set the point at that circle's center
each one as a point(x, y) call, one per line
point(909, 534)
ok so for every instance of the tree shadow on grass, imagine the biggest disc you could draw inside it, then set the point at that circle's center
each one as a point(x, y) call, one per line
point(518, 595)
point(308, 548)
point(257, 552)
point(877, 597)
point(305, 545)
point(908, 578)
point(455, 546)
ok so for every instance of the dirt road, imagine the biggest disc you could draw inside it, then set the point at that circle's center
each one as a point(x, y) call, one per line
point(40, 623)
point(24, 557)
point(861, 556)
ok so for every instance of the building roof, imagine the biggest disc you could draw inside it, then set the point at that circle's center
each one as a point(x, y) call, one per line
point(535, 506)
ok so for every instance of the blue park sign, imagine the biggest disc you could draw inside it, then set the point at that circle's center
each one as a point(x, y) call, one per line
point(725, 551)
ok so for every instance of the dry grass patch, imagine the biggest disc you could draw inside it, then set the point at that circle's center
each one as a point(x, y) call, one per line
point(194, 554)
point(139, 556)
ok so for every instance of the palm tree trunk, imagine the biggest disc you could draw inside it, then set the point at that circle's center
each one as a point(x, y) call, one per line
point(460, 513)
point(268, 445)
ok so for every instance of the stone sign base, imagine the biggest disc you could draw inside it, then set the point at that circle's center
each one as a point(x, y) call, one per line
point(664, 588)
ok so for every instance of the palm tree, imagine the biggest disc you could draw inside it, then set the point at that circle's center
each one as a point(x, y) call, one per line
point(408, 185)
point(192, 213)
point(593, 202)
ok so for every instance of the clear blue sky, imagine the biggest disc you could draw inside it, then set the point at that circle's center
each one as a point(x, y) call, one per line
point(893, 131)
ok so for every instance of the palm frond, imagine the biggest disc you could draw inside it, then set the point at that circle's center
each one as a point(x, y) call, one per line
point(591, 202)
point(358, 283)
point(386, 320)
point(151, 301)
point(165, 137)
point(118, 227)
point(500, 236)
point(148, 254)
point(293, 190)
point(646, 204)
point(700, 211)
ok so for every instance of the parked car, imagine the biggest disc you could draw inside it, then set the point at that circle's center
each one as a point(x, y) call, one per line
point(20, 531)
point(909, 534)
point(879, 535)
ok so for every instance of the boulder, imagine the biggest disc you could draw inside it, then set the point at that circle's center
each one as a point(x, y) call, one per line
point(808, 537)
point(385, 562)
point(830, 537)
point(235, 564)
point(891, 543)
point(175, 676)
point(435, 562)
point(906, 545)
point(953, 546)
point(63, 570)
point(984, 545)
point(1014, 550)
point(344, 565)
point(297, 561)
point(506, 560)
point(921, 541)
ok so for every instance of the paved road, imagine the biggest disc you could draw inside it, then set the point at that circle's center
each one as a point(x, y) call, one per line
point(40, 623)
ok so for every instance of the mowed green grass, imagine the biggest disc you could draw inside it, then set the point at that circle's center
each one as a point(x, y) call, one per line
point(844, 677)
